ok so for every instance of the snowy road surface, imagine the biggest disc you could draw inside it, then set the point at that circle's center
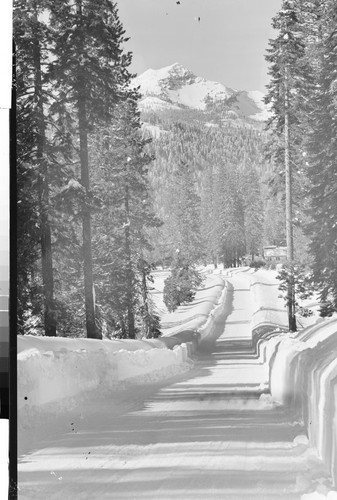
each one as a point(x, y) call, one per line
point(207, 434)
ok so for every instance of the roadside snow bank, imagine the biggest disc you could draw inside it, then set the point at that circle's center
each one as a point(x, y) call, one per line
point(269, 308)
point(213, 326)
point(52, 370)
point(304, 376)
point(197, 319)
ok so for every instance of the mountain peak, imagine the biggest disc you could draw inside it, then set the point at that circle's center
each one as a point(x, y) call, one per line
point(175, 68)
point(175, 87)
point(178, 85)
point(179, 69)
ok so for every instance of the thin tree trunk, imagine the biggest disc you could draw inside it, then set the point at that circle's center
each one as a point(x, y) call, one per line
point(45, 231)
point(130, 311)
point(92, 331)
point(289, 223)
point(145, 301)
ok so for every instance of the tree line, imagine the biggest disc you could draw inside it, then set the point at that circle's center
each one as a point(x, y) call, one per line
point(83, 204)
point(303, 128)
point(99, 203)
point(208, 185)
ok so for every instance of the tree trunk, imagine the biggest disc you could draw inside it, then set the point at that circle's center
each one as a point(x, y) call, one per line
point(86, 222)
point(145, 302)
point(130, 311)
point(45, 231)
point(289, 223)
point(92, 331)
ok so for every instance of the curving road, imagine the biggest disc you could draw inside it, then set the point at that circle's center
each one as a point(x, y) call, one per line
point(209, 434)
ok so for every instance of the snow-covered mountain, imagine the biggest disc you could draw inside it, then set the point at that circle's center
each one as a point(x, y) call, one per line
point(175, 87)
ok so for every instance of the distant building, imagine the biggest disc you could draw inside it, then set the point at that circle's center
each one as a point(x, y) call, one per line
point(273, 253)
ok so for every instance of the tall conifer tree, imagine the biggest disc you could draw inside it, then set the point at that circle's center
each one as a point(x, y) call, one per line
point(320, 145)
point(122, 225)
point(89, 69)
point(34, 153)
point(286, 56)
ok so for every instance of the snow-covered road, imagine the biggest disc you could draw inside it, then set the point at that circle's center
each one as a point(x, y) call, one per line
point(210, 433)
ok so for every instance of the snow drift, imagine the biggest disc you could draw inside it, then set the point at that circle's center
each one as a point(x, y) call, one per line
point(54, 373)
point(304, 377)
point(270, 311)
point(51, 373)
point(195, 315)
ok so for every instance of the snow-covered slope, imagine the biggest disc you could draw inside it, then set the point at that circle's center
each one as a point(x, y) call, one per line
point(176, 87)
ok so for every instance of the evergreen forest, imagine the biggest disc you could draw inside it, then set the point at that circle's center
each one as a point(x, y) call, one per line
point(106, 194)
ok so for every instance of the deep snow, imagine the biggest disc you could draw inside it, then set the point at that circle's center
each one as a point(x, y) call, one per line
point(55, 374)
point(151, 440)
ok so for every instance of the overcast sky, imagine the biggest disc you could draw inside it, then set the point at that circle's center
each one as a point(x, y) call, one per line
point(227, 45)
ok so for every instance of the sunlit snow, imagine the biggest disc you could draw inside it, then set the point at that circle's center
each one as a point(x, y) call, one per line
point(143, 421)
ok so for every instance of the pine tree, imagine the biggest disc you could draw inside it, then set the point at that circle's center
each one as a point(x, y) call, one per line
point(34, 160)
point(186, 213)
point(122, 225)
point(286, 94)
point(88, 70)
point(181, 286)
point(231, 222)
point(321, 154)
point(254, 214)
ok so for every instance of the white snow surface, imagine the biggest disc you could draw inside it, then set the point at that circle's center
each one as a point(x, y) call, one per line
point(194, 94)
point(196, 315)
point(150, 80)
point(174, 86)
point(53, 371)
point(304, 376)
point(155, 103)
point(49, 372)
point(143, 440)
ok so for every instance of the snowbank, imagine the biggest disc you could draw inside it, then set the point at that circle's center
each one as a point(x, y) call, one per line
point(196, 323)
point(213, 326)
point(199, 315)
point(270, 311)
point(53, 371)
point(303, 366)
point(304, 377)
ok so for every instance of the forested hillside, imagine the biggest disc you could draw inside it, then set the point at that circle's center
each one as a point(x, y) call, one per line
point(208, 189)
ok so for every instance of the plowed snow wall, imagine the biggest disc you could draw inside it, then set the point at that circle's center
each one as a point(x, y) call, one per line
point(46, 377)
point(304, 376)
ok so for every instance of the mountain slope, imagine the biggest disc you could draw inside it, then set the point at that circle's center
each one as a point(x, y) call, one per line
point(175, 87)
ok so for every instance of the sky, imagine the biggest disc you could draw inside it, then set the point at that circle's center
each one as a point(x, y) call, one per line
point(227, 45)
